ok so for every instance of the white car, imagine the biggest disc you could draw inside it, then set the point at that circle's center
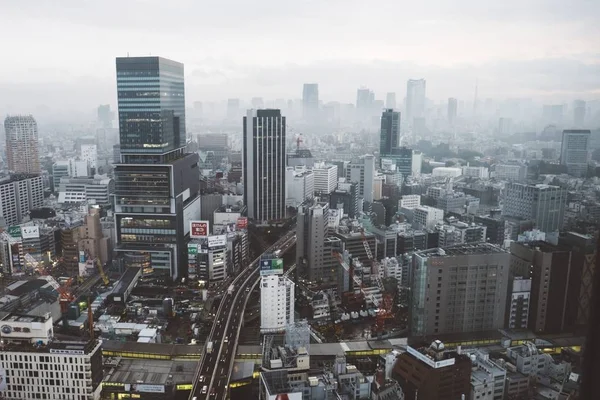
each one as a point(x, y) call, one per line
point(204, 389)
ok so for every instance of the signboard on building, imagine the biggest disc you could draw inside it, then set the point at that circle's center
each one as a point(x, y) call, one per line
point(14, 231)
point(30, 232)
point(217, 241)
point(192, 248)
point(147, 388)
point(81, 256)
point(198, 229)
point(423, 358)
point(242, 223)
point(271, 266)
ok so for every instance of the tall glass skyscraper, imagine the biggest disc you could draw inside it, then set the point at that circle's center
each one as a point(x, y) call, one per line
point(151, 98)
point(390, 131)
point(157, 185)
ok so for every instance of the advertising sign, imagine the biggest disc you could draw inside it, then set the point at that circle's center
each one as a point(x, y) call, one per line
point(273, 266)
point(30, 232)
point(81, 256)
point(148, 388)
point(216, 241)
point(14, 231)
point(192, 249)
point(198, 229)
point(242, 222)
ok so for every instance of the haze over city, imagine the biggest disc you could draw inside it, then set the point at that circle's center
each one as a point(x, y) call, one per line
point(62, 57)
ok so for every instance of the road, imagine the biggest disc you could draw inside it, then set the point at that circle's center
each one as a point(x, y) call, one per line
point(214, 371)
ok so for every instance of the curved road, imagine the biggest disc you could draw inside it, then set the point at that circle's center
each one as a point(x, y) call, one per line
point(214, 370)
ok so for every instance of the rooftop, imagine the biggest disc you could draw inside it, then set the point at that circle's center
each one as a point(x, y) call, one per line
point(463, 249)
point(153, 372)
point(126, 280)
point(13, 317)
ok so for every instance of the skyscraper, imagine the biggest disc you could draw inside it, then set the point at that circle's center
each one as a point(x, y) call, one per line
point(390, 100)
point(574, 152)
point(452, 110)
point(22, 151)
point(263, 161)
point(310, 101)
point(156, 183)
point(579, 113)
point(277, 303)
point(364, 103)
point(390, 132)
point(415, 99)
point(362, 172)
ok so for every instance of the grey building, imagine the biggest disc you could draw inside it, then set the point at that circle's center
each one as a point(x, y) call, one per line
point(415, 99)
point(543, 204)
point(156, 183)
point(22, 147)
point(390, 132)
point(574, 151)
point(346, 195)
point(459, 289)
point(263, 162)
point(19, 194)
point(452, 110)
point(310, 102)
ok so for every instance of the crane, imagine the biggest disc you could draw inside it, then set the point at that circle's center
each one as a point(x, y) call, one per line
point(102, 273)
point(383, 313)
point(374, 266)
point(355, 278)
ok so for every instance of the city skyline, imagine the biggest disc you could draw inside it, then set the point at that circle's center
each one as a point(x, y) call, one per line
point(558, 64)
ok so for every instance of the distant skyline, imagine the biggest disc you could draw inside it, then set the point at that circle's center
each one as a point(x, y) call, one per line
point(63, 56)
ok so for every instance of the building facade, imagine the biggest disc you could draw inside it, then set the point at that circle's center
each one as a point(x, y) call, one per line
point(543, 204)
point(19, 194)
point(362, 172)
point(575, 151)
point(390, 132)
point(326, 177)
point(264, 166)
point(22, 147)
point(276, 303)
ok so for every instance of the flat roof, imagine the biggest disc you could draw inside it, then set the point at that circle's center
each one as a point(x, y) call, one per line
point(463, 249)
point(126, 280)
point(172, 350)
point(152, 372)
point(20, 288)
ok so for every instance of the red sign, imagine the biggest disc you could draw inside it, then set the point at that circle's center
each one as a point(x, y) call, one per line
point(242, 222)
point(198, 229)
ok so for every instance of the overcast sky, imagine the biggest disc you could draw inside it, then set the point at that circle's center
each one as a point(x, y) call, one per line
point(61, 53)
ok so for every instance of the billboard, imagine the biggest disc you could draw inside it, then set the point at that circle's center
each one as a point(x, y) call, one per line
point(286, 396)
point(14, 231)
point(146, 388)
point(198, 229)
point(242, 222)
point(30, 232)
point(192, 249)
point(81, 256)
point(271, 266)
point(216, 241)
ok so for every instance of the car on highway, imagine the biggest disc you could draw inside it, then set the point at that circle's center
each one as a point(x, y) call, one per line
point(202, 378)
point(204, 389)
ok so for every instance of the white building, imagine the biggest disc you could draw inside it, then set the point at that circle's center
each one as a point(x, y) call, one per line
point(574, 152)
point(19, 194)
point(487, 377)
point(448, 172)
point(71, 168)
point(276, 303)
point(325, 178)
point(409, 201)
point(544, 204)
point(299, 185)
point(510, 172)
point(89, 153)
point(476, 172)
point(39, 366)
point(97, 190)
point(520, 296)
point(362, 172)
point(427, 217)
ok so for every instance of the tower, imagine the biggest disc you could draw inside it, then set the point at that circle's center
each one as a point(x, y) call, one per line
point(22, 151)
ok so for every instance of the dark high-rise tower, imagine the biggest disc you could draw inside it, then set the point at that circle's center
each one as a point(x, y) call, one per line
point(390, 131)
point(151, 98)
point(157, 183)
point(263, 161)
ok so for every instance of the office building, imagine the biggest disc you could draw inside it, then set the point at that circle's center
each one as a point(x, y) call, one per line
point(495, 228)
point(346, 197)
point(365, 99)
point(446, 172)
point(89, 154)
point(433, 373)
point(452, 110)
point(310, 102)
point(39, 366)
point(579, 113)
point(415, 100)
point(264, 165)
point(71, 168)
point(313, 254)
point(510, 172)
point(23, 248)
point(207, 258)
point(574, 152)
point(276, 303)
point(299, 186)
point(156, 184)
point(487, 376)
point(301, 157)
point(459, 289)
point(19, 194)
point(105, 116)
point(475, 172)
point(96, 190)
point(390, 100)
point(390, 132)
point(555, 284)
point(408, 161)
point(426, 217)
point(519, 297)
point(362, 172)
point(409, 201)
point(22, 147)
point(326, 176)
point(543, 204)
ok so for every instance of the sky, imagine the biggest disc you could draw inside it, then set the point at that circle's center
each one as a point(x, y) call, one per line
point(61, 54)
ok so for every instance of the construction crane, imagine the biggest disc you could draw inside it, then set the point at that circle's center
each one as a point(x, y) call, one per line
point(102, 273)
point(383, 313)
point(355, 278)
point(374, 266)
point(65, 298)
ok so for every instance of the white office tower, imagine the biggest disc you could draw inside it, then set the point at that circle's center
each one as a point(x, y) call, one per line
point(276, 303)
point(299, 186)
point(326, 176)
point(89, 153)
point(362, 172)
point(263, 161)
point(425, 217)
point(415, 100)
point(34, 365)
point(574, 152)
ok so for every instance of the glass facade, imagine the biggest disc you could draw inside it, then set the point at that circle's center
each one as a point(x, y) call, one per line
point(390, 131)
point(151, 98)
